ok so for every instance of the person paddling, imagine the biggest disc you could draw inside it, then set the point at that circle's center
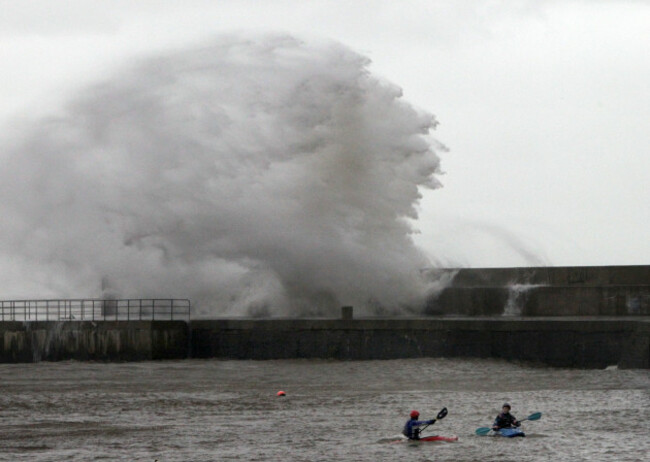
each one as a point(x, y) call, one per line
point(505, 419)
point(412, 426)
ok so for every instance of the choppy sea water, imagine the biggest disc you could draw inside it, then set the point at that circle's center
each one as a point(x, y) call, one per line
point(217, 410)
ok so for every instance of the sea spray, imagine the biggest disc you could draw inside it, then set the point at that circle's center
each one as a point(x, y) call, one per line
point(253, 175)
point(517, 298)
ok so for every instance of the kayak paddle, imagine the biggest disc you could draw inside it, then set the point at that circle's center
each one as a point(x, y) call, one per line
point(441, 415)
point(535, 416)
point(485, 430)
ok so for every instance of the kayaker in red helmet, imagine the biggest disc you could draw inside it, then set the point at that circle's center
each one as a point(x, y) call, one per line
point(505, 419)
point(411, 428)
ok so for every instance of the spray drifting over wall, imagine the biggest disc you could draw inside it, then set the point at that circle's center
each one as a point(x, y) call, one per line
point(255, 176)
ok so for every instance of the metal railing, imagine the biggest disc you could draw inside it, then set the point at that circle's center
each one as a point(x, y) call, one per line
point(139, 309)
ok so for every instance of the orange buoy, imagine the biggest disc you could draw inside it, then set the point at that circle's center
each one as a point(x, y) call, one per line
point(281, 393)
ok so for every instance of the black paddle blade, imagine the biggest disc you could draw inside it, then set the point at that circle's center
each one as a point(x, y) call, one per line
point(442, 414)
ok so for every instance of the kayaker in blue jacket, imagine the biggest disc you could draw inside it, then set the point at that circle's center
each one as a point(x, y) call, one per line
point(411, 427)
point(505, 419)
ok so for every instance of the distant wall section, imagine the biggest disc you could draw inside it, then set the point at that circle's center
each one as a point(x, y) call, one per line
point(544, 291)
point(80, 340)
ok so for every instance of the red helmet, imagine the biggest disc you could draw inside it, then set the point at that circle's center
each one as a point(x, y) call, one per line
point(415, 414)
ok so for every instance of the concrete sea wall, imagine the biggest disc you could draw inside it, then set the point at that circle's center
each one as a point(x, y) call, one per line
point(101, 340)
point(563, 342)
point(586, 317)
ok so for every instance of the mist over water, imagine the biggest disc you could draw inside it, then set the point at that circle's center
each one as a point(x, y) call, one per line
point(253, 175)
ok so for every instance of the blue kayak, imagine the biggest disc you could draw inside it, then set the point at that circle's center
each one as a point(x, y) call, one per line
point(510, 432)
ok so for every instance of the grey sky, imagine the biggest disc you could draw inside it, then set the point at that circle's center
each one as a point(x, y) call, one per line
point(544, 105)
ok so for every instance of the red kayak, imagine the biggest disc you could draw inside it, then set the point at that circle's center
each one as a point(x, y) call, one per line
point(448, 439)
point(426, 439)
